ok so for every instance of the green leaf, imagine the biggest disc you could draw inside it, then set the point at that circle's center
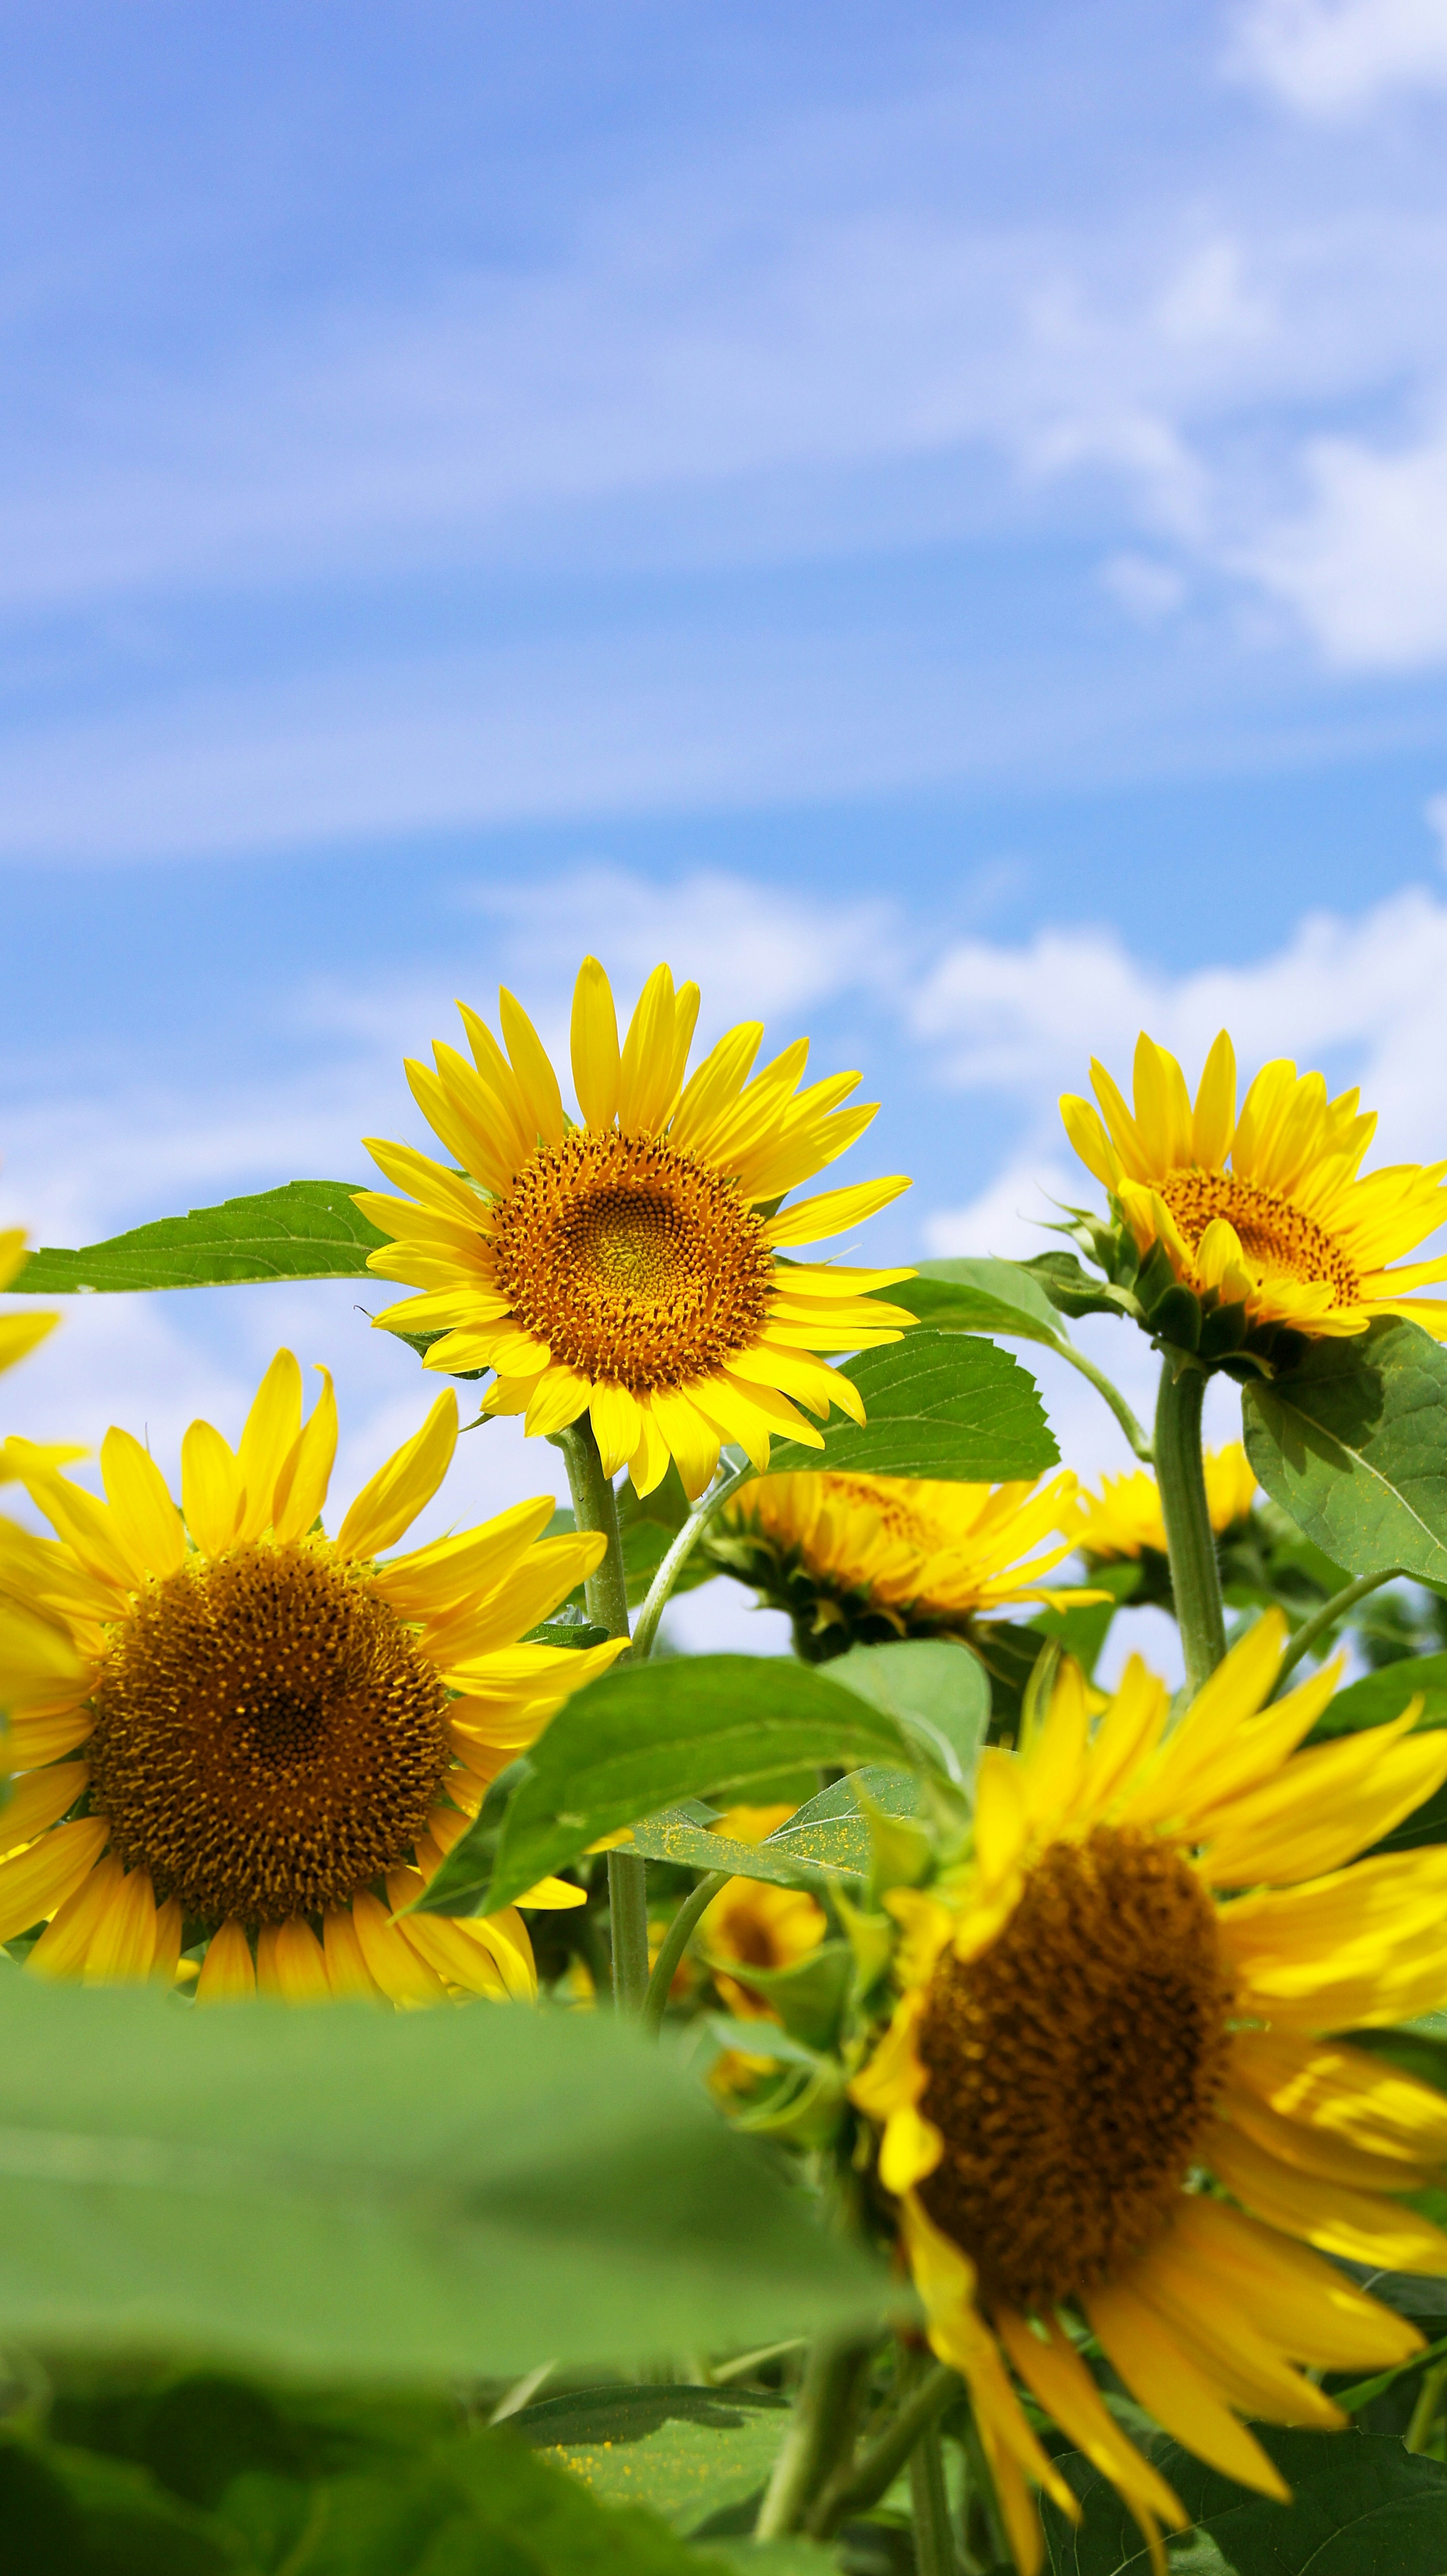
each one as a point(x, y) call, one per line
point(72, 2514)
point(646, 1736)
point(981, 1297)
point(304, 1230)
point(410, 2197)
point(930, 1684)
point(1361, 2505)
point(938, 1404)
point(686, 2453)
point(1353, 1444)
point(829, 1837)
point(681, 1836)
point(1379, 1697)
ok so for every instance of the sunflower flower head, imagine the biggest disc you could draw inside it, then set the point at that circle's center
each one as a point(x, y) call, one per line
point(239, 1737)
point(626, 1265)
point(863, 1559)
point(1236, 1227)
point(1122, 1522)
point(1110, 2100)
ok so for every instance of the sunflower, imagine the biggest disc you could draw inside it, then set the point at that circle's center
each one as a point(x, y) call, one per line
point(893, 1555)
point(628, 1267)
point(235, 1732)
point(1291, 1234)
point(1110, 2097)
point(1124, 1518)
point(751, 1924)
point(18, 1333)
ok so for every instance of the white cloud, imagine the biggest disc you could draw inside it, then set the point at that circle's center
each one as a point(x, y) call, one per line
point(1365, 563)
point(1334, 57)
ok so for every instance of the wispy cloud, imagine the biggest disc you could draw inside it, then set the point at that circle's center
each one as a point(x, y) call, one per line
point(1336, 57)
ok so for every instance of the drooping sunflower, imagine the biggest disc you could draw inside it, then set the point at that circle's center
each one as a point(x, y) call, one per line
point(232, 1730)
point(1124, 1518)
point(1265, 1210)
point(628, 1267)
point(1110, 2097)
point(19, 1333)
point(878, 1556)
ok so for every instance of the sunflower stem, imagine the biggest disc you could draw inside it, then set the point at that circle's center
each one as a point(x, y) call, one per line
point(820, 2431)
point(675, 1942)
point(859, 2484)
point(605, 1592)
point(1424, 2414)
point(1135, 1432)
point(1329, 1613)
point(929, 2495)
point(679, 1550)
point(1181, 1477)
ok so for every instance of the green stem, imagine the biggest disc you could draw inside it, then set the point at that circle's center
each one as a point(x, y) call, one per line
point(1181, 1476)
point(1424, 2413)
point(679, 1551)
point(1326, 1617)
point(595, 1507)
point(1135, 1432)
point(675, 1942)
point(934, 2544)
point(820, 2430)
point(605, 1592)
point(859, 2484)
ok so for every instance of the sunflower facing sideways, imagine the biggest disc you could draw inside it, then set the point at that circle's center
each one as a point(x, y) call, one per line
point(1109, 2096)
point(1265, 1210)
point(871, 1557)
point(628, 1267)
point(234, 1733)
point(1124, 1519)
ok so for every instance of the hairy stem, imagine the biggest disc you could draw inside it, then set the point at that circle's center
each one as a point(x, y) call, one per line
point(1326, 1617)
point(680, 1550)
point(1180, 1474)
point(820, 2430)
point(675, 1942)
point(1135, 1432)
point(860, 2483)
point(934, 2545)
point(605, 1592)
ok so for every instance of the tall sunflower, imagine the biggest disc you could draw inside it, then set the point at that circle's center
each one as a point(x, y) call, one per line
point(1265, 1209)
point(1110, 2097)
point(868, 1556)
point(628, 1267)
point(234, 1731)
point(1124, 1518)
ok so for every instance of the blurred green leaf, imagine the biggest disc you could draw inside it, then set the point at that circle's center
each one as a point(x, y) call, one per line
point(69, 2513)
point(1361, 2505)
point(827, 1837)
point(345, 2191)
point(937, 1404)
point(686, 2453)
point(304, 1230)
point(1381, 1696)
point(930, 1684)
point(1353, 1444)
point(646, 1736)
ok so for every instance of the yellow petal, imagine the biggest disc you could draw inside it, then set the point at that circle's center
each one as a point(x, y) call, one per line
point(211, 1489)
point(402, 1975)
point(123, 1945)
point(617, 1425)
point(301, 1486)
point(596, 1059)
point(834, 1212)
point(535, 1076)
point(389, 1504)
point(646, 1071)
point(39, 1800)
point(227, 1973)
point(693, 1444)
point(290, 1964)
point(35, 1882)
point(348, 1974)
point(19, 1335)
point(272, 1427)
point(1213, 1121)
point(145, 1520)
point(1167, 2382)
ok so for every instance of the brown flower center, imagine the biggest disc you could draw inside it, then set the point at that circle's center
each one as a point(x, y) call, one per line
point(268, 1737)
point(634, 1264)
point(1073, 2066)
point(1271, 1231)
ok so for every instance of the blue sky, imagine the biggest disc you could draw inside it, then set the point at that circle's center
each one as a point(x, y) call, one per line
point(935, 522)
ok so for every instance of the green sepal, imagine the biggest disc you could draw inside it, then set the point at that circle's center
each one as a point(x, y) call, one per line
point(871, 1937)
point(809, 1995)
point(1176, 1318)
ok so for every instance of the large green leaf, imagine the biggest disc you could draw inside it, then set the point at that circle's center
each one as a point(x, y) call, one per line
point(969, 1296)
point(304, 1230)
point(687, 2453)
point(1361, 2505)
point(1353, 1444)
point(938, 1404)
point(471, 2190)
point(829, 1837)
point(647, 1736)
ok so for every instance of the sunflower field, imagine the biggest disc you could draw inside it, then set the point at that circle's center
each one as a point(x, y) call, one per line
point(483, 2093)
